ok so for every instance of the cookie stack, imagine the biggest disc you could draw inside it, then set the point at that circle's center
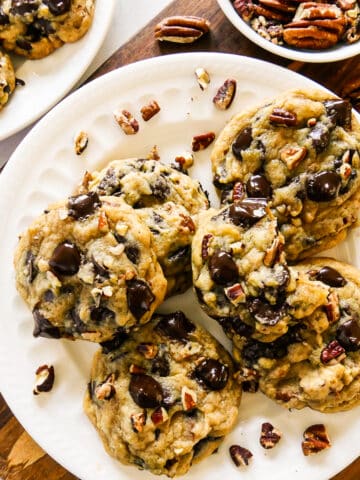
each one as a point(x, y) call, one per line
point(35, 28)
point(288, 174)
point(95, 267)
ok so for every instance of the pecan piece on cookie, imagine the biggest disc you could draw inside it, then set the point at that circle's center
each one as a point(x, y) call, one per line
point(181, 29)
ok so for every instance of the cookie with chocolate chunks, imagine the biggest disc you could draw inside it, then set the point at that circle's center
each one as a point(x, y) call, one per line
point(316, 363)
point(301, 151)
point(7, 79)
point(87, 269)
point(35, 28)
point(162, 387)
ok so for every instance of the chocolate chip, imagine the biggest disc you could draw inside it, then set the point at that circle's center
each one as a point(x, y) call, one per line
point(100, 270)
point(175, 326)
point(323, 186)
point(132, 251)
point(32, 270)
point(145, 391)
point(82, 206)
point(234, 323)
point(212, 373)
point(102, 315)
point(320, 137)
point(160, 366)
point(22, 7)
point(58, 7)
point(258, 186)
point(43, 328)
point(4, 18)
point(331, 277)
point(348, 335)
point(139, 297)
point(65, 259)
point(222, 268)
point(265, 313)
point(110, 345)
point(340, 112)
point(79, 325)
point(247, 212)
point(242, 142)
point(24, 44)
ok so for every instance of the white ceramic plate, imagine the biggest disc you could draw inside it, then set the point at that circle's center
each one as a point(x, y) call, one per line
point(45, 168)
point(49, 79)
point(334, 54)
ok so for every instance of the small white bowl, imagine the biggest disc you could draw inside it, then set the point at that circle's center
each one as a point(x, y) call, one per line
point(333, 54)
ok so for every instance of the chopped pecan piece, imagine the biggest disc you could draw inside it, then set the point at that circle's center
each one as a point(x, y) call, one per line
point(185, 160)
point(127, 122)
point(187, 223)
point(270, 436)
point(225, 95)
point(159, 415)
point(283, 117)
point(332, 353)
point(45, 377)
point(103, 225)
point(238, 192)
point(188, 398)
point(202, 141)
point(154, 154)
point(332, 308)
point(149, 110)
point(205, 246)
point(245, 9)
point(106, 390)
point(81, 142)
point(315, 439)
point(240, 455)
point(202, 77)
point(273, 253)
point(149, 350)
point(138, 421)
point(181, 29)
point(292, 156)
point(136, 369)
point(235, 294)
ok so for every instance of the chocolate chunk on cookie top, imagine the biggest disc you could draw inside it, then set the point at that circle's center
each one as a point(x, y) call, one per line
point(87, 270)
point(164, 397)
point(301, 151)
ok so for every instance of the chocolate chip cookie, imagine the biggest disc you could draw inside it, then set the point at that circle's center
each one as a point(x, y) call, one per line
point(35, 28)
point(7, 79)
point(317, 363)
point(301, 152)
point(147, 183)
point(164, 397)
point(87, 269)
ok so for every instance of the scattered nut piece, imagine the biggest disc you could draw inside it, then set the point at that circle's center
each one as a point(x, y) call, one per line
point(202, 141)
point(333, 353)
point(332, 308)
point(149, 350)
point(81, 142)
point(202, 77)
point(292, 156)
point(154, 154)
point(273, 253)
point(249, 379)
point(103, 225)
point(235, 294)
point(188, 398)
point(185, 160)
point(136, 369)
point(283, 117)
point(181, 29)
point(315, 439)
point(270, 436)
point(240, 455)
point(187, 223)
point(106, 390)
point(149, 110)
point(138, 421)
point(205, 246)
point(45, 377)
point(127, 122)
point(238, 192)
point(159, 415)
point(225, 95)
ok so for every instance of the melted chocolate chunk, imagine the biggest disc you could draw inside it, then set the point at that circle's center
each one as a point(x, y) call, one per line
point(181, 255)
point(24, 44)
point(110, 345)
point(102, 315)
point(175, 326)
point(100, 270)
point(348, 335)
point(65, 259)
point(242, 142)
point(145, 391)
point(4, 19)
point(331, 277)
point(42, 327)
point(258, 186)
point(139, 297)
point(247, 212)
point(22, 7)
point(323, 186)
point(31, 267)
point(132, 251)
point(79, 325)
point(265, 313)
point(222, 268)
point(160, 365)
point(235, 324)
point(58, 7)
point(82, 206)
point(320, 137)
point(109, 185)
point(160, 189)
point(340, 112)
point(212, 373)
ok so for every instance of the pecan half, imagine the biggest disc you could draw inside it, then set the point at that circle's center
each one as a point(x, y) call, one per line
point(332, 308)
point(127, 122)
point(202, 141)
point(333, 353)
point(245, 9)
point(149, 110)
point(240, 455)
point(315, 439)
point(181, 29)
point(225, 95)
point(270, 436)
point(282, 117)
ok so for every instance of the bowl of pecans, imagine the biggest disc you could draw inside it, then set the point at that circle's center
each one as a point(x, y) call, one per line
point(304, 31)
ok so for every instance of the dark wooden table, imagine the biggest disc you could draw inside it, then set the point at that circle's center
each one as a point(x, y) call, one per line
point(20, 457)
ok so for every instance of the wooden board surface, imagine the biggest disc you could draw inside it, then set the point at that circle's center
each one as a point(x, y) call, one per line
point(20, 457)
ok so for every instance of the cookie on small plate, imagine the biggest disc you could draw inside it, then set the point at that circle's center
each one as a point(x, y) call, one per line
point(87, 269)
point(35, 29)
point(164, 397)
point(317, 363)
point(301, 151)
point(7, 79)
